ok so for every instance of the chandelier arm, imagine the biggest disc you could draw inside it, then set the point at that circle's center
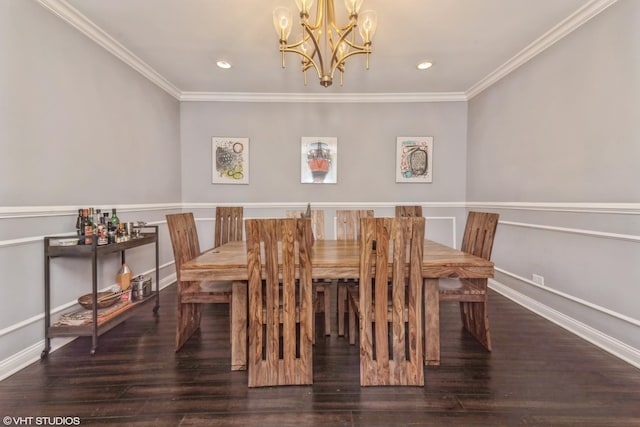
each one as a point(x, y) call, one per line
point(340, 65)
point(309, 59)
point(353, 22)
point(316, 50)
point(336, 49)
point(357, 46)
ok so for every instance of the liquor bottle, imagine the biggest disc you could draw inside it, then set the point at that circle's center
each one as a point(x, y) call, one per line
point(111, 232)
point(103, 237)
point(88, 228)
point(80, 226)
point(94, 226)
point(115, 221)
point(98, 216)
point(121, 236)
point(123, 278)
point(79, 223)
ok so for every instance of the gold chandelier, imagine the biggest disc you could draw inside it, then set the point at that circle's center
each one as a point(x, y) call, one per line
point(324, 45)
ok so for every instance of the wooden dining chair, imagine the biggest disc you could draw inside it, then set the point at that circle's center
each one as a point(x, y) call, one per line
point(408, 211)
point(280, 302)
point(228, 227)
point(347, 228)
point(321, 288)
point(388, 301)
point(317, 220)
point(191, 295)
point(472, 294)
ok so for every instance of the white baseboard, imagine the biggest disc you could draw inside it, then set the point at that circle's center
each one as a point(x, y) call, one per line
point(611, 345)
point(31, 354)
point(26, 357)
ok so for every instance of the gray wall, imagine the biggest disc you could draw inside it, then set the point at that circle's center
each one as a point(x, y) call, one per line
point(366, 150)
point(563, 129)
point(366, 135)
point(77, 128)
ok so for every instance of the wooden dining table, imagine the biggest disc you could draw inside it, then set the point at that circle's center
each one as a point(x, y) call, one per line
point(333, 259)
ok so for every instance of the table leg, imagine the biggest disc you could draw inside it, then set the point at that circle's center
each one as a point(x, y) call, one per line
point(239, 305)
point(431, 323)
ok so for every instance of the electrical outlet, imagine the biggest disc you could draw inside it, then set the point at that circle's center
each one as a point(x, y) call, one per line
point(538, 279)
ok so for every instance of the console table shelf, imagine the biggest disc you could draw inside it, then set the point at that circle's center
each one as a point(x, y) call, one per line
point(99, 325)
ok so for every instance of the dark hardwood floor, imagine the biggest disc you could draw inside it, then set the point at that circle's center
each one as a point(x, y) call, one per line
point(537, 375)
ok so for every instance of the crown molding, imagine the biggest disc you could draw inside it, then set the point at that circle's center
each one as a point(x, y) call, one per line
point(564, 28)
point(323, 97)
point(73, 17)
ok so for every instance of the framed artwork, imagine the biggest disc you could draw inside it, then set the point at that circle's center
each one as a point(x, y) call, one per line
point(230, 160)
point(414, 159)
point(319, 160)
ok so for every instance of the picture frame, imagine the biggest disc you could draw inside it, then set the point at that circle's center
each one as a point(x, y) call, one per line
point(319, 160)
point(230, 160)
point(414, 159)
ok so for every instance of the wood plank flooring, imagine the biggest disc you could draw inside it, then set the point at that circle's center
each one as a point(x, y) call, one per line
point(537, 375)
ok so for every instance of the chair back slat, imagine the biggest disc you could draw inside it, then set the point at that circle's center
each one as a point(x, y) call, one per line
point(389, 301)
point(317, 220)
point(280, 302)
point(184, 238)
point(228, 227)
point(348, 223)
point(409, 211)
point(479, 234)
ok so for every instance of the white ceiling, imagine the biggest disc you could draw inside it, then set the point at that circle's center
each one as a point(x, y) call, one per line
point(179, 41)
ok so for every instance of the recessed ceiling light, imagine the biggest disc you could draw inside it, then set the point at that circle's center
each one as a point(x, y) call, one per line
point(424, 65)
point(223, 64)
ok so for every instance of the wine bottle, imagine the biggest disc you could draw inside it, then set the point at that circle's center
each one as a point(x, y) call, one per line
point(115, 221)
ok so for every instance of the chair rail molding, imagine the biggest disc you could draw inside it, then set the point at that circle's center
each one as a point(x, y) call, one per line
point(593, 208)
point(18, 212)
point(581, 231)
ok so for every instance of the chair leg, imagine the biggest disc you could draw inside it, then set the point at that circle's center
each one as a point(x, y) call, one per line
point(475, 319)
point(352, 317)
point(327, 310)
point(342, 307)
point(188, 322)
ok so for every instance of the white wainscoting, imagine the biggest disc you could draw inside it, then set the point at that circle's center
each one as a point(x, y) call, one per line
point(610, 344)
point(446, 224)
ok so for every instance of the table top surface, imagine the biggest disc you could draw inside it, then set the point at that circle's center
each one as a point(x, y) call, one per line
point(334, 259)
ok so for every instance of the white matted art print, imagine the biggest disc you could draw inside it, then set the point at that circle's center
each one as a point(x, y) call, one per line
point(319, 160)
point(414, 159)
point(230, 160)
